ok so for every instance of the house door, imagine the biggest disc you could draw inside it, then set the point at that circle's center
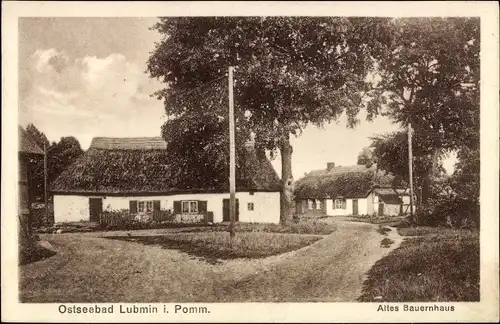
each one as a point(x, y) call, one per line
point(380, 209)
point(95, 206)
point(355, 207)
point(225, 211)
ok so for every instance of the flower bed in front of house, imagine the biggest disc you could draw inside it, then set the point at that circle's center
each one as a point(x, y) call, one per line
point(215, 246)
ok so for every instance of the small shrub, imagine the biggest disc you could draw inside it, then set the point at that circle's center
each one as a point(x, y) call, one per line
point(386, 243)
point(455, 212)
point(383, 230)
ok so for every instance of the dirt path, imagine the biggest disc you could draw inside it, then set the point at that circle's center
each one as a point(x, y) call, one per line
point(93, 269)
point(331, 270)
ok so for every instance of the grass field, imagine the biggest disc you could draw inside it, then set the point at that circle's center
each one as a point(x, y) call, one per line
point(432, 264)
point(215, 246)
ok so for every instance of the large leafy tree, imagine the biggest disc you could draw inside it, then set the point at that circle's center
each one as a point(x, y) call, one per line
point(428, 76)
point(290, 72)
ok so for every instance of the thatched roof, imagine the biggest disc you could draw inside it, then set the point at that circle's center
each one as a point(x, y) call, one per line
point(388, 195)
point(348, 182)
point(128, 143)
point(26, 144)
point(142, 166)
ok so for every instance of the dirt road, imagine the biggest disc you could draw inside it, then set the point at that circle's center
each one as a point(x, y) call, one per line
point(331, 270)
point(92, 269)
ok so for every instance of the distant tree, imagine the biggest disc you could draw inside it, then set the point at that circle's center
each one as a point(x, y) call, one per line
point(62, 154)
point(391, 153)
point(290, 72)
point(365, 157)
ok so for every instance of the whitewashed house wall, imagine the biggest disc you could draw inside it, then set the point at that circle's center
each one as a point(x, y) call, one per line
point(362, 207)
point(73, 208)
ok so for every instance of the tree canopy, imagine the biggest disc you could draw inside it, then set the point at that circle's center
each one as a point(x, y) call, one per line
point(290, 71)
point(428, 76)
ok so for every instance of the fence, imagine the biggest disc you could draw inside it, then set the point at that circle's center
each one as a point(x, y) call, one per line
point(116, 218)
point(124, 219)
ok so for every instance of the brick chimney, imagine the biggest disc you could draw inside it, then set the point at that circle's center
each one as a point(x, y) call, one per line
point(330, 165)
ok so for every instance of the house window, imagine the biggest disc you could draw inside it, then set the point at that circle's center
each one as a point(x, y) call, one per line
point(318, 204)
point(149, 206)
point(189, 207)
point(250, 206)
point(340, 204)
point(145, 206)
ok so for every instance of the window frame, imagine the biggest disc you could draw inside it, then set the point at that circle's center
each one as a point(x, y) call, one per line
point(339, 202)
point(190, 210)
point(141, 206)
point(145, 206)
point(149, 206)
point(250, 206)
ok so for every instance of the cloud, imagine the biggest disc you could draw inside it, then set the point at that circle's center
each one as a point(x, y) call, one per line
point(93, 96)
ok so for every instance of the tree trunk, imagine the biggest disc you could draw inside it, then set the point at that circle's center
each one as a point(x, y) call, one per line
point(427, 181)
point(286, 198)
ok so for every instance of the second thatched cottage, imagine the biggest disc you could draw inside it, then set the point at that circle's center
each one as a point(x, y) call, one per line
point(349, 190)
point(137, 175)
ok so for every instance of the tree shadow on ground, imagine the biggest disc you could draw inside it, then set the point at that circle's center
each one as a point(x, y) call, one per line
point(204, 253)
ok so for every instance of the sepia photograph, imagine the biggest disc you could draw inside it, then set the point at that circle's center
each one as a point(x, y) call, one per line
point(198, 159)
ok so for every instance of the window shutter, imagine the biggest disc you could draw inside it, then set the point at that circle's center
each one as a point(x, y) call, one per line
point(132, 205)
point(344, 204)
point(177, 207)
point(333, 203)
point(156, 205)
point(202, 206)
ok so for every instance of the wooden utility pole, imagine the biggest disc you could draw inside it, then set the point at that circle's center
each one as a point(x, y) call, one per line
point(410, 167)
point(45, 181)
point(232, 168)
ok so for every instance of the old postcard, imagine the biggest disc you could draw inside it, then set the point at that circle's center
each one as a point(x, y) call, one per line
point(250, 161)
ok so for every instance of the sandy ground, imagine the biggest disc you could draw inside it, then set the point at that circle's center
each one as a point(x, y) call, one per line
point(88, 268)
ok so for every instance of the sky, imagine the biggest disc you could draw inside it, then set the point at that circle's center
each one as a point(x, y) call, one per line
point(85, 77)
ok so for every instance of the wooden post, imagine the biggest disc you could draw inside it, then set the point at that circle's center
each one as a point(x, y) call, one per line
point(45, 181)
point(410, 167)
point(232, 168)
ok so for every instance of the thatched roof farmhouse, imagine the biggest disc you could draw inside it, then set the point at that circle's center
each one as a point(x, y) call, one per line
point(347, 190)
point(137, 174)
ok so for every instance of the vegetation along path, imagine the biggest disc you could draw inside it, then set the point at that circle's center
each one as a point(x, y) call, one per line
point(88, 268)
